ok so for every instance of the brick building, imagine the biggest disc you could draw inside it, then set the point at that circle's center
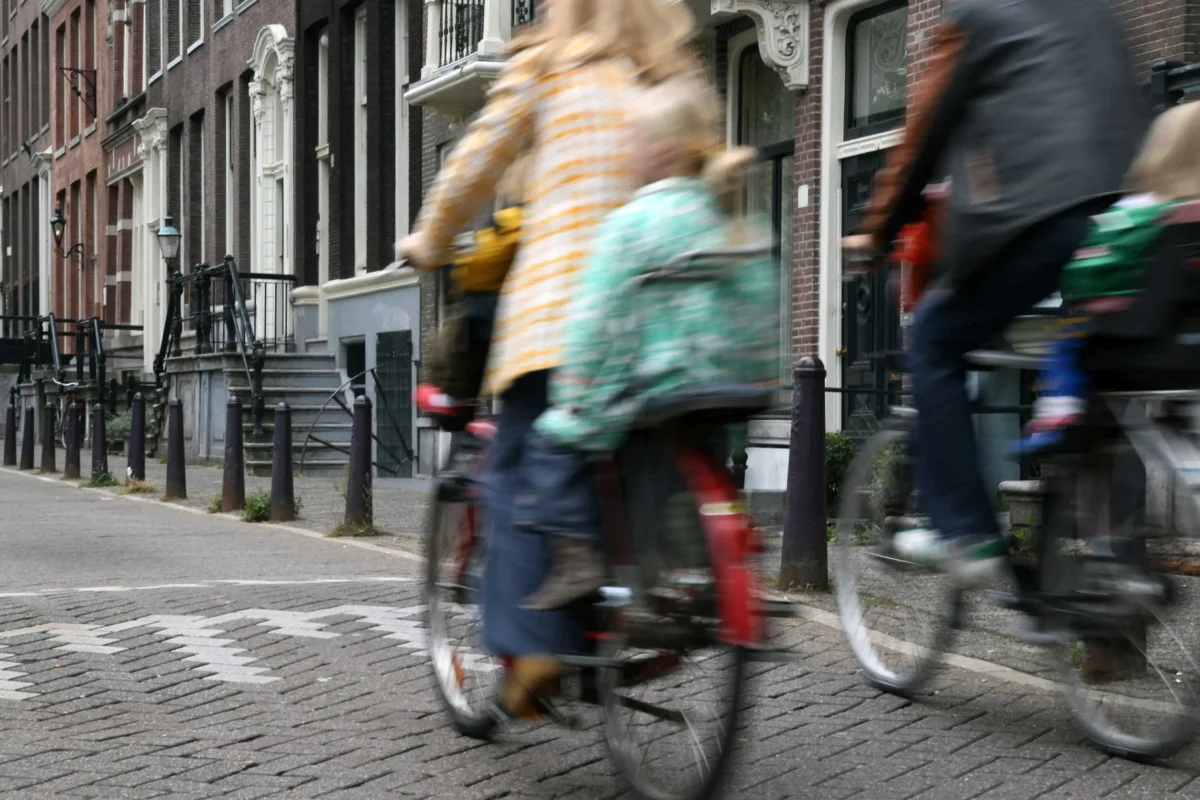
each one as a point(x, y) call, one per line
point(25, 77)
point(77, 272)
point(820, 87)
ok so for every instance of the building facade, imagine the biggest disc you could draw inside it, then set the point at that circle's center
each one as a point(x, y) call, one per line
point(820, 88)
point(358, 172)
point(25, 163)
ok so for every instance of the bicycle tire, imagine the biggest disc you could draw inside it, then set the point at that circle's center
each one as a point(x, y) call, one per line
point(1096, 712)
point(472, 717)
point(712, 781)
point(861, 498)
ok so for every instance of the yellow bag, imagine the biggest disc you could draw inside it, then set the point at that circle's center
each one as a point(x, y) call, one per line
point(485, 267)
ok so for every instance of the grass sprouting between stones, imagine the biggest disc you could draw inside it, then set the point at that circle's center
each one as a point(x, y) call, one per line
point(134, 486)
point(214, 504)
point(342, 530)
point(102, 480)
point(258, 506)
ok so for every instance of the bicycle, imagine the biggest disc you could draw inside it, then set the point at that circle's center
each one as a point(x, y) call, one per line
point(674, 620)
point(1089, 591)
point(64, 400)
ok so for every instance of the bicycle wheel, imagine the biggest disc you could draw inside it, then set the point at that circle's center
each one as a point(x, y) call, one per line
point(465, 674)
point(1128, 642)
point(897, 615)
point(670, 718)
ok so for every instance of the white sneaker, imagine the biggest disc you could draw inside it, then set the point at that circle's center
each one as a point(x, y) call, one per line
point(969, 563)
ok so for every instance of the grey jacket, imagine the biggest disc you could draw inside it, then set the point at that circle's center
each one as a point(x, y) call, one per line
point(1030, 107)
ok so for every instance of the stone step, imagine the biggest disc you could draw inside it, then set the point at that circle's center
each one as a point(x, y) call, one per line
point(291, 361)
point(261, 468)
point(326, 379)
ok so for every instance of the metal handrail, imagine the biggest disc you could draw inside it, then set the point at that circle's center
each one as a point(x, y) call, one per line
point(336, 397)
point(250, 347)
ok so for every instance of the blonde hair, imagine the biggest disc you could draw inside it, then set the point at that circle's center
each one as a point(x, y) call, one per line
point(1169, 164)
point(686, 115)
point(652, 34)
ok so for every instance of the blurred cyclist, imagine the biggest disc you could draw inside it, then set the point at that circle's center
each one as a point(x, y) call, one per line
point(1031, 108)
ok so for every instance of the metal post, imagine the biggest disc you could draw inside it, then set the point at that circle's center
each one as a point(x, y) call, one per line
point(283, 495)
point(28, 439)
point(99, 442)
point(805, 561)
point(137, 439)
point(176, 469)
point(231, 336)
point(358, 485)
point(176, 281)
point(79, 346)
point(10, 437)
point(71, 435)
point(48, 419)
point(233, 482)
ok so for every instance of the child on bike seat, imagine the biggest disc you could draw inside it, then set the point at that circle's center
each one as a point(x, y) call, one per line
point(459, 354)
point(1108, 268)
point(628, 342)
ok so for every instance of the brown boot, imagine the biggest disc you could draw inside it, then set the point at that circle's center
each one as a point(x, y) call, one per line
point(528, 678)
point(577, 571)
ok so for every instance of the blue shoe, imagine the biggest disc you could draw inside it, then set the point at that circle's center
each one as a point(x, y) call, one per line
point(1047, 436)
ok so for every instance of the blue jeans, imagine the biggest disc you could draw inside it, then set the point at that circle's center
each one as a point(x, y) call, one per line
point(518, 560)
point(950, 322)
point(559, 494)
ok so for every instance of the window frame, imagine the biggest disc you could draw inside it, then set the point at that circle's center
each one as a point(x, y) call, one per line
point(853, 131)
point(361, 122)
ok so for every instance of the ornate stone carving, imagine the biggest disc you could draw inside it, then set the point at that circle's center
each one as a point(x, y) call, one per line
point(256, 100)
point(783, 34)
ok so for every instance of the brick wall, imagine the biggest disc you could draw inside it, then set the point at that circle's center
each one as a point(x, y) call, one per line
point(1161, 30)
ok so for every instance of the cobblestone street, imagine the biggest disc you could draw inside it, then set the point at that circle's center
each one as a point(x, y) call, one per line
point(151, 652)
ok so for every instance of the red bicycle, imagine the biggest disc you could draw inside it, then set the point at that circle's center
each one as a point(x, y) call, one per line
point(671, 632)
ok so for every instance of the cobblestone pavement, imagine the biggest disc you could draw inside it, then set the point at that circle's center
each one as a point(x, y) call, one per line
point(148, 652)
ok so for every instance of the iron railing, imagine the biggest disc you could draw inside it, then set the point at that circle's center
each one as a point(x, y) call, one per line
point(523, 12)
point(462, 30)
point(227, 311)
point(1173, 83)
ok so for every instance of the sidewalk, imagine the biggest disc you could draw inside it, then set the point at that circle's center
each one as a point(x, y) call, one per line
point(399, 509)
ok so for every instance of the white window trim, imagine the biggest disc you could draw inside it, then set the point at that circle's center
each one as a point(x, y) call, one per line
point(230, 176)
point(738, 45)
point(833, 132)
point(195, 45)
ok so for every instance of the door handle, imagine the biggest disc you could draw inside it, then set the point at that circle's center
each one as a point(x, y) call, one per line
point(841, 351)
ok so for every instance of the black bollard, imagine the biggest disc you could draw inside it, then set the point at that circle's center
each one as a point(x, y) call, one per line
point(10, 437)
point(233, 483)
point(176, 468)
point(71, 437)
point(805, 561)
point(283, 495)
point(48, 443)
point(99, 442)
point(358, 485)
point(28, 439)
point(137, 440)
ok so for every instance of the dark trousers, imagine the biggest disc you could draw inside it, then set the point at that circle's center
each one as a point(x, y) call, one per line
point(518, 559)
point(951, 322)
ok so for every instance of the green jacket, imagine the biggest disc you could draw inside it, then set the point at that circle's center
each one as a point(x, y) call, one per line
point(626, 344)
point(1112, 259)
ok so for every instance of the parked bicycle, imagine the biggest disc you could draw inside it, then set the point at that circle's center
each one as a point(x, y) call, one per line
point(669, 635)
point(1089, 588)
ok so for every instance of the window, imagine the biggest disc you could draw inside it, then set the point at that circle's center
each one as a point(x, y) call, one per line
point(23, 93)
point(91, 247)
point(401, 55)
point(44, 70)
point(765, 115)
point(225, 174)
point(195, 22)
point(74, 114)
point(89, 58)
point(60, 53)
point(323, 171)
point(195, 193)
point(876, 86)
point(33, 80)
point(152, 40)
point(360, 140)
point(173, 40)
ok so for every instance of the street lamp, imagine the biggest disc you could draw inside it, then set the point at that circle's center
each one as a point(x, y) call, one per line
point(58, 225)
point(169, 238)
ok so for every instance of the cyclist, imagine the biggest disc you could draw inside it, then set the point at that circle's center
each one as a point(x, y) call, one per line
point(565, 96)
point(629, 343)
point(1032, 108)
